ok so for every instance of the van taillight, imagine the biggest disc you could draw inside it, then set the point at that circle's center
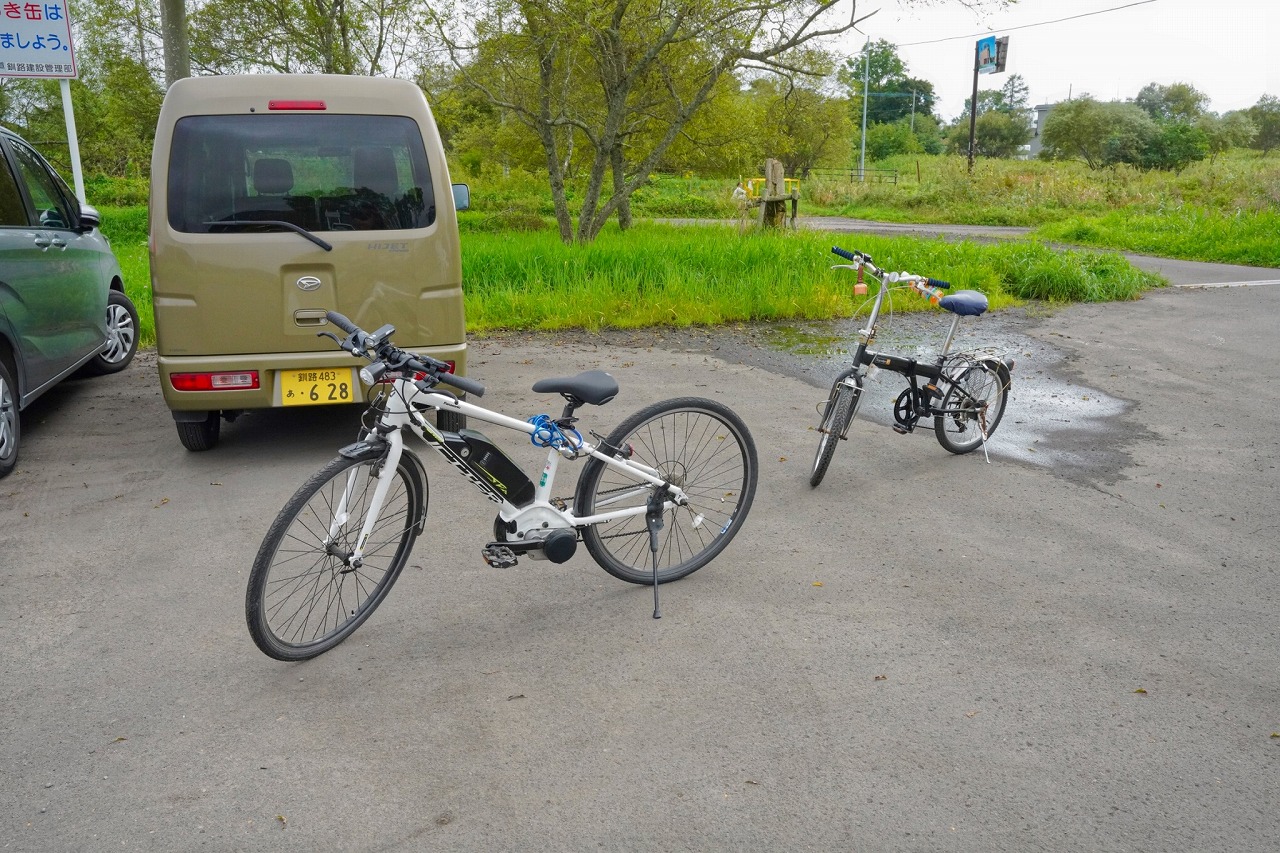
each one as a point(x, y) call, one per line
point(214, 381)
point(295, 105)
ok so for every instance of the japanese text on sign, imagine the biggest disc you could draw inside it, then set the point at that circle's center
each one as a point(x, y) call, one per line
point(35, 39)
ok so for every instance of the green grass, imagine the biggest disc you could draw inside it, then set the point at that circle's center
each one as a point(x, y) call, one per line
point(1225, 211)
point(126, 228)
point(655, 275)
point(666, 275)
point(1192, 233)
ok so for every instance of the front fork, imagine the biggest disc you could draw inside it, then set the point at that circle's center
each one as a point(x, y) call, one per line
point(852, 379)
point(342, 513)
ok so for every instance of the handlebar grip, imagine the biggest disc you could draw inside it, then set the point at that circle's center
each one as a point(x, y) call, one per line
point(844, 253)
point(935, 282)
point(462, 383)
point(341, 322)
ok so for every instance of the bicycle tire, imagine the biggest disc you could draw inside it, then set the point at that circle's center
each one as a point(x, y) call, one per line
point(973, 401)
point(699, 445)
point(302, 599)
point(836, 416)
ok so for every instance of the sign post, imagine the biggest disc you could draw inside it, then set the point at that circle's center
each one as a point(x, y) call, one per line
point(35, 41)
point(989, 55)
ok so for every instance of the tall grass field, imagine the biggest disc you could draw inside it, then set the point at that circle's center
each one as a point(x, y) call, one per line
point(518, 275)
point(658, 274)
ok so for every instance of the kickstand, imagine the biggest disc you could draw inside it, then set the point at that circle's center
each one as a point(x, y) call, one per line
point(653, 520)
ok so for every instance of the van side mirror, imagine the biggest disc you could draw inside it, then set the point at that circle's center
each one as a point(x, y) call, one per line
point(461, 197)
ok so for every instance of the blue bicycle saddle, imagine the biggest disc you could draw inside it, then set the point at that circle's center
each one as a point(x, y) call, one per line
point(966, 303)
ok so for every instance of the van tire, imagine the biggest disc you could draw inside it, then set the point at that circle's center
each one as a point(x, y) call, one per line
point(200, 435)
point(450, 421)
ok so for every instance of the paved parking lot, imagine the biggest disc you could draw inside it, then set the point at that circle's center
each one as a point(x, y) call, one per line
point(1071, 648)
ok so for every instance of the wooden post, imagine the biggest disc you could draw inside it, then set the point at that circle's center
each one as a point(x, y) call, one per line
point(773, 207)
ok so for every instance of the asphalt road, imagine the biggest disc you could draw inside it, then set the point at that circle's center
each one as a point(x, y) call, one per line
point(1073, 647)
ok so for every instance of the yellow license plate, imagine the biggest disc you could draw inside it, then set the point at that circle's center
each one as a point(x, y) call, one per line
point(319, 387)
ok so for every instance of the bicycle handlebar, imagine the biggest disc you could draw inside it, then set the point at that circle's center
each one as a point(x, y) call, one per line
point(863, 259)
point(438, 370)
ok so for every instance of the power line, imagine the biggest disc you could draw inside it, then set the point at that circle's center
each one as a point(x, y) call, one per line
point(1029, 26)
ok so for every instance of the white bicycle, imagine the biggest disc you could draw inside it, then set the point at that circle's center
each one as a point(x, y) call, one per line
point(657, 499)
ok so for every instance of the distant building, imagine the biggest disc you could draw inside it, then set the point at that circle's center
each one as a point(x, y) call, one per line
point(1042, 114)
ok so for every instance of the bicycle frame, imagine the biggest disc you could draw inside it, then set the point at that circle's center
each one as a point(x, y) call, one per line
point(405, 408)
point(864, 358)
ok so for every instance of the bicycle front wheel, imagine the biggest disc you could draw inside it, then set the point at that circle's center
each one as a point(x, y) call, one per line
point(972, 406)
point(306, 591)
point(836, 416)
point(699, 445)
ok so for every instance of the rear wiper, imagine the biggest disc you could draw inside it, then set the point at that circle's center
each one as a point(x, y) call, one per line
point(297, 229)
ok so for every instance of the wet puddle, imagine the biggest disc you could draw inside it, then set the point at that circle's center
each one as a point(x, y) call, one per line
point(1051, 420)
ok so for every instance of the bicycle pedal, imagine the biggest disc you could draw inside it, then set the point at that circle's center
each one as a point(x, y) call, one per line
point(900, 429)
point(499, 556)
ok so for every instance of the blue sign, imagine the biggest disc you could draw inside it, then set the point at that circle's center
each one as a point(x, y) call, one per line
point(987, 55)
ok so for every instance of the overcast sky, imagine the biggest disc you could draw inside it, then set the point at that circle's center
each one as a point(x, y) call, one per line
point(1228, 49)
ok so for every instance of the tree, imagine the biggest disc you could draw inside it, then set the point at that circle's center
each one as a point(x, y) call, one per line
point(887, 139)
point(1176, 146)
point(177, 45)
point(1015, 95)
point(997, 133)
point(1098, 133)
point(892, 94)
point(801, 126)
point(1004, 122)
point(1265, 116)
point(625, 79)
point(1233, 130)
point(1180, 102)
point(369, 37)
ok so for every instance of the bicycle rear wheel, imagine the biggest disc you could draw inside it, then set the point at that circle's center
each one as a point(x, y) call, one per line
point(699, 445)
point(305, 595)
point(836, 416)
point(972, 406)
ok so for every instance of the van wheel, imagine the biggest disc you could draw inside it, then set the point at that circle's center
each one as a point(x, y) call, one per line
point(450, 421)
point(200, 435)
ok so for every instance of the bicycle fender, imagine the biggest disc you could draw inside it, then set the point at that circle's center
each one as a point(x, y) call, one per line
point(371, 449)
point(361, 449)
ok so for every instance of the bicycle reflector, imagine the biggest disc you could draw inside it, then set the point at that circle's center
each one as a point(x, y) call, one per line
point(247, 379)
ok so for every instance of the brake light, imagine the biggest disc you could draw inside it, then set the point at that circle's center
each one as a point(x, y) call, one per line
point(214, 381)
point(295, 105)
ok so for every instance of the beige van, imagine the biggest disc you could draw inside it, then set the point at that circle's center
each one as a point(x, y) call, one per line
point(275, 198)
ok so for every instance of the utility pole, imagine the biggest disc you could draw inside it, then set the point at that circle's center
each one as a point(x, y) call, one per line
point(866, 86)
point(973, 107)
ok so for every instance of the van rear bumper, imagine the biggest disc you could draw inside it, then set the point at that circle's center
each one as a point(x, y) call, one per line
point(269, 369)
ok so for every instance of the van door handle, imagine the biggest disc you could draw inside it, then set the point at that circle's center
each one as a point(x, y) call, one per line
point(310, 317)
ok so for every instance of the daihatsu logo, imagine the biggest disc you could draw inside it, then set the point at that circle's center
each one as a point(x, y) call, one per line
point(309, 283)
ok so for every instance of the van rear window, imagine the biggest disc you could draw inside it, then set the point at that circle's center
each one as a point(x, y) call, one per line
point(242, 173)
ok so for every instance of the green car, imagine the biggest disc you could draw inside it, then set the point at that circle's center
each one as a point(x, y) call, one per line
point(63, 310)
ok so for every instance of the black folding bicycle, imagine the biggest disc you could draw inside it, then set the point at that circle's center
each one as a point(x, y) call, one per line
point(964, 392)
